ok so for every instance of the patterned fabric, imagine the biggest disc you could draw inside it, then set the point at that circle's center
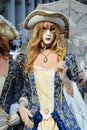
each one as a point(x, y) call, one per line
point(62, 113)
point(2, 80)
point(12, 86)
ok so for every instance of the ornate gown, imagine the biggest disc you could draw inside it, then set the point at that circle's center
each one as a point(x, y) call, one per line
point(47, 98)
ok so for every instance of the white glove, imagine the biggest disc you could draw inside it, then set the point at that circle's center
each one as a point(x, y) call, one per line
point(7, 120)
point(4, 119)
point(15, 119)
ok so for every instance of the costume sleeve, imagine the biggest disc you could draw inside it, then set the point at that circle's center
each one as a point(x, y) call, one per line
point(77, 106)
point(72, 71)
point(25, 93)
point(26, 90)
point(17, 82)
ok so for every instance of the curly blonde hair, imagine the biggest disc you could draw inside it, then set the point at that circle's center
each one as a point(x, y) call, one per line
point(34, 44)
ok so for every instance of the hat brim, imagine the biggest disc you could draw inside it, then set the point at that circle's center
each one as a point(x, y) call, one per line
point(39, 15)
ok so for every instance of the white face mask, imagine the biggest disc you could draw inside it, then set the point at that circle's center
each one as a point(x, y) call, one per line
point(48, 33)
point(48, 37)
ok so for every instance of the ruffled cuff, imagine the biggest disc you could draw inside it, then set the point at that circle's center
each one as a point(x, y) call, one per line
point(14, 108)
point(23, 100)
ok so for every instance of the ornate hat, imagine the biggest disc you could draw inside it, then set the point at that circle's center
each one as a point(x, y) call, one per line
point(7, 30)
point(37, 16)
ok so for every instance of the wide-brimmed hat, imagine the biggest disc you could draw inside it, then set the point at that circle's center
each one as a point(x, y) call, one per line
point(37, 16)
point(7, 30)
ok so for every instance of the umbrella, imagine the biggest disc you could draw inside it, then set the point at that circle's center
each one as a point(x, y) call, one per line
point(76, 14)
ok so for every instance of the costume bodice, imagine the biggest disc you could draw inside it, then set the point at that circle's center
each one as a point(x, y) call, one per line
point(44, 79)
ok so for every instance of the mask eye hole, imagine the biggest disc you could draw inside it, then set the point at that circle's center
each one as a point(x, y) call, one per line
point(52, 29)
point(44, 28)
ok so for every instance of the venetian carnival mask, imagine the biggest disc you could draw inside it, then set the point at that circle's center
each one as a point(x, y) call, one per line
point(48, 34)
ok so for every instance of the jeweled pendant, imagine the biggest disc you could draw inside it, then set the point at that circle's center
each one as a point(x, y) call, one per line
point(45, 59)
point(46, 111)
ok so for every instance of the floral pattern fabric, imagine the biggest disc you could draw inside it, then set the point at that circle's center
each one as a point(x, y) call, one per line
point(62, 114)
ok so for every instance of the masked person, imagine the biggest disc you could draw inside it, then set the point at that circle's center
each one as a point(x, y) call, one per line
point(11, 79)
point(51, 99)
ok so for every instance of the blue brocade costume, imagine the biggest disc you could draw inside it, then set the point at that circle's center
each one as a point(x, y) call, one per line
point(62, 115)
point(12, 86)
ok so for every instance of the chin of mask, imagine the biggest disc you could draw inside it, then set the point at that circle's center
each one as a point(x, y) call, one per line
point(1, 50)
point(48, 37)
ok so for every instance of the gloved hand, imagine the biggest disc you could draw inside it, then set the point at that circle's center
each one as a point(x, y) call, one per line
point(7, 120)
point(15, 119)
point(4, 119)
